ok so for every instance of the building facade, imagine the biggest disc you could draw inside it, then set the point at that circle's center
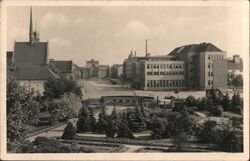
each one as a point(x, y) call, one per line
point(116, 71)
point(92, 67)
point(201, 66)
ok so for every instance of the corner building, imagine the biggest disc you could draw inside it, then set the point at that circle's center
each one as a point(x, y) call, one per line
point(205, 65)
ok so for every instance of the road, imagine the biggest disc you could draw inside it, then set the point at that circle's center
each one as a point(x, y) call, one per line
point(96, 89)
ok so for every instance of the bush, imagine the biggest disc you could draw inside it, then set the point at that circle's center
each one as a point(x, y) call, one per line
point(237, 109)
point(46, 145)
point(69, 132)
point(216, 111)
point(207, 133)
point(191, 101)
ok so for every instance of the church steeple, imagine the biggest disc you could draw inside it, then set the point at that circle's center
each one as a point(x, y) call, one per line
point(31, 27)
point(33, 35)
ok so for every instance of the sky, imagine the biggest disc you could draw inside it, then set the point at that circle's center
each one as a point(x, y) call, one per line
point(108, 33)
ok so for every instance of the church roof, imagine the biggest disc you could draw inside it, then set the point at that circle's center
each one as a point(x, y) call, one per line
point(31, 73)
point(63, 66)
point(197, 48)
point(26, 54)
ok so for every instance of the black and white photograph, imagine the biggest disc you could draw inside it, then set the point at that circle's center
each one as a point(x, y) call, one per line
point(147, 79)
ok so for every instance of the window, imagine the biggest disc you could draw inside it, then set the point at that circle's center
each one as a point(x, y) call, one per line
point(157, 66)
point(208, 57)
point(179, 66)
point(162, 73)
point(180, 84)
point(156, 73)
point(148, 66)
point(154, 66)
point(149, 73)
point(170, 66)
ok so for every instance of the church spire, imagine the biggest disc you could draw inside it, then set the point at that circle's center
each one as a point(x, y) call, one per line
point(31, 27)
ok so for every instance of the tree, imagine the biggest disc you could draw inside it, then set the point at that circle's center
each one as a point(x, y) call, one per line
point(69, 132)
point(238, 81)
point(157, 126)
point(83, 123)
point(136, 120)
point(22, 109)
point(92, 120)
point(124, 131)
point(226, 103)
point(102, 121)
point(110, 128)
point(16, 117)
point(56, 87)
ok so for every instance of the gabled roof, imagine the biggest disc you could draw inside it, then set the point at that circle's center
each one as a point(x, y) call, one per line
point(233, 65)
point(64, 66)
point(197, 48)
point(29, 55)
point(31, 73)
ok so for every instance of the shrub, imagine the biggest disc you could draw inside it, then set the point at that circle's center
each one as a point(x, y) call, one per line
point(191, 101)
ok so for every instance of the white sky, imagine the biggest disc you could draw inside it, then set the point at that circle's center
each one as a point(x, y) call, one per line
point(109, 33)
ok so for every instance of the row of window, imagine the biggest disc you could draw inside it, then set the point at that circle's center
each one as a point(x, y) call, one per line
point(163, 66)
point(165, 83)
point(166, 73)
point(215, 57)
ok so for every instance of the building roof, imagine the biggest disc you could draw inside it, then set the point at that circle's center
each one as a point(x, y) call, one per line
point(31, 73)
point(26, 54)
point(232, 65)
point(202, 47)
point(63, 66)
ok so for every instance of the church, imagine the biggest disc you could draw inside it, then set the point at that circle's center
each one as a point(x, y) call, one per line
point(28, 62)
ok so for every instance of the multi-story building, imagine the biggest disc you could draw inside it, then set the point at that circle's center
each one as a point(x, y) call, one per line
point(28, 63)
point(103, 71)
point(161, 73)
point(116, 71)
point(205, 65)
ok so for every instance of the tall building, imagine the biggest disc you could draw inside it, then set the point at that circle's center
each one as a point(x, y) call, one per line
point(205, 65)
point(30, 61)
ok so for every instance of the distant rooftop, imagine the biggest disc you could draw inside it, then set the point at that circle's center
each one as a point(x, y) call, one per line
point(64, 66)
point(197, 48)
